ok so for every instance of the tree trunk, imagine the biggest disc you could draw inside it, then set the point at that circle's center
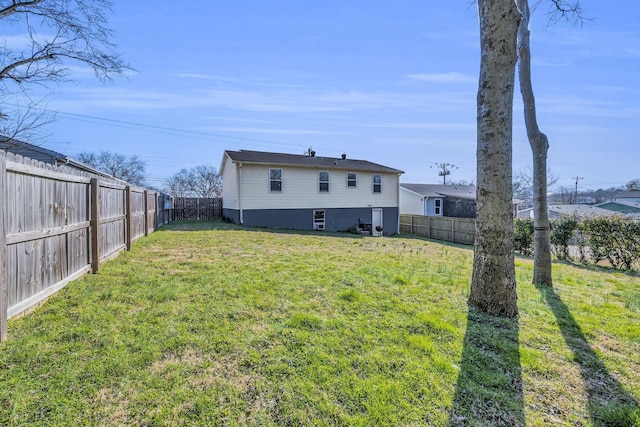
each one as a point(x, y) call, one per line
point(493, 286)
point(539, 148)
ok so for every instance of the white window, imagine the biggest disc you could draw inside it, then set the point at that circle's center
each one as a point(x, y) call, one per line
point(323, 181)
point(352, 179)
point(377, 183)
point(437, 207)
point(275, 179)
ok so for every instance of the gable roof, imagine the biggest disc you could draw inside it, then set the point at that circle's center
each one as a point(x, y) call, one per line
point(467, 192)
point(299, 160)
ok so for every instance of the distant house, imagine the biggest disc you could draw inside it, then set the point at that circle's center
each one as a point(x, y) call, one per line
point(47, 156)
point(622, 207)
point(438, 200)
point(309, 192)
point(632, 196)
point(578, 210)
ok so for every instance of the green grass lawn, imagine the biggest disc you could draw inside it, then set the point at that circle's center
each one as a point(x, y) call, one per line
point(212, 324)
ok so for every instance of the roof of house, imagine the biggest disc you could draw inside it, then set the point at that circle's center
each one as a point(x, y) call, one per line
point(306, 161)
point(633, 194)
point(44, 155)
point(436, 190)
point(621, 206)
point(30, 150)
point(581, 210)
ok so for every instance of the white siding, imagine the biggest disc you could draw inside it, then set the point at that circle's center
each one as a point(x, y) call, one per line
point(230, 184)
point(300, 189)
point(411, 203)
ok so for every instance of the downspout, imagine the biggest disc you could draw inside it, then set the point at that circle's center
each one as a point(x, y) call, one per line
point(239, 192)
point(398, 203)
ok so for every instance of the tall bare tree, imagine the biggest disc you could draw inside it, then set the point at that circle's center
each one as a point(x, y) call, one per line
point(199, 181)
point(493, 285)
point(538, 141)
point(539, 147)
point(55, 34)
point(131, 169)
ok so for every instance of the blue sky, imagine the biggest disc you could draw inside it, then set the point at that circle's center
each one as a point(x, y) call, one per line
point(390, 82)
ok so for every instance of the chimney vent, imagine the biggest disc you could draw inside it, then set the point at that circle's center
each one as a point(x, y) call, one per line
point(312, 153)
point(344, 156)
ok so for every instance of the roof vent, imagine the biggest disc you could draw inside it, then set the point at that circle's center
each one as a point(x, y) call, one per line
point(344, 156)
point(310, 152)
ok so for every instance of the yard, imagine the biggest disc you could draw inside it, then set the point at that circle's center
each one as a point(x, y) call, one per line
point(207, 323)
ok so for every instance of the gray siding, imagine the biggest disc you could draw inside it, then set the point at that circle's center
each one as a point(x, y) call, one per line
point(336, 219)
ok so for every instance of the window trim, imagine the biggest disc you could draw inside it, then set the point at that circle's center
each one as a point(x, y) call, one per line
point(326, 182)
point(272, 181)
point(377, 184)
point(437, 206)
point(353, 180)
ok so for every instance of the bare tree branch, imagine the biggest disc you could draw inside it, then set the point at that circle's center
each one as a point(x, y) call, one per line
point(59, 33)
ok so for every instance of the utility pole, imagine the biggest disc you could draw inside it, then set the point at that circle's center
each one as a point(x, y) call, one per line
point(445, 171)
point(575, 197)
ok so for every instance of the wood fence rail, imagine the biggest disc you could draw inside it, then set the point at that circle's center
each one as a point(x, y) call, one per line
point(56, 226)
point(456, 230)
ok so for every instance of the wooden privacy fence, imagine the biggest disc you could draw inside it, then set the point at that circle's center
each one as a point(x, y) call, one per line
point(56, 226)
point(196, 208)
point(456, 230)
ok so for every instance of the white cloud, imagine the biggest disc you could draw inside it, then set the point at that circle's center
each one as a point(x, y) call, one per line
point(444, 78)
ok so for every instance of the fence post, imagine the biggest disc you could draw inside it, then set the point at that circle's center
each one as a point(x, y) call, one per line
point(453, 230)
point(411, 227)
point(146, 212)
point(428, 227)
point(4, 303)
point(128, 219)
point(95, 225)
point(156, 218)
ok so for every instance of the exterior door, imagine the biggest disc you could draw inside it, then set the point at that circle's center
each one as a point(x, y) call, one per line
point(376, 222)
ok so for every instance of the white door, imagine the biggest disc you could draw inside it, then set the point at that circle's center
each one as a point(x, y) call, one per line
point(376, 222)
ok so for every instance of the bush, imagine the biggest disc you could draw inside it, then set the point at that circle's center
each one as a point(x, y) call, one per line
point(563, 231)
point(523, 234)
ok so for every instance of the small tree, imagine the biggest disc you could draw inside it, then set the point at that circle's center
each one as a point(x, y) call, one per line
point(200, 181)
point(130, 169)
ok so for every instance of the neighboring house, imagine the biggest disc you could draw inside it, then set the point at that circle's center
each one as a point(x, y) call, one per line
point(438, 200)
point(51, 157)
point(632, 196)
point(309, 192)
point(623, 208)
point(581, 211)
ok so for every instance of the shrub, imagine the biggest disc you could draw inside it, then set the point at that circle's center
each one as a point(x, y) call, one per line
point(563, 231)
point(523, 235)
point(615, 239)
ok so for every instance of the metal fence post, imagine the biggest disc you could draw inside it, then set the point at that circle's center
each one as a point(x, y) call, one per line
point(128, 219)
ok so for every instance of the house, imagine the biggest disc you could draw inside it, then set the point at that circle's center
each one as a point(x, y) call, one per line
point(630, 209)
point(309, 192)
point(632, 196)
point(47, 156)
point(438, 200)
